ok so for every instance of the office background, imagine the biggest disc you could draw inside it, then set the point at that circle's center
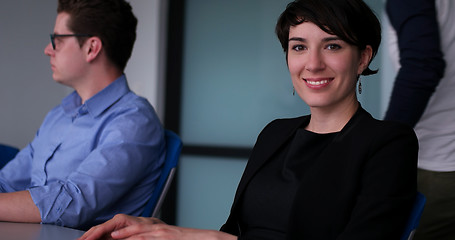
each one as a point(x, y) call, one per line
point(27, 89)
point(232, 81)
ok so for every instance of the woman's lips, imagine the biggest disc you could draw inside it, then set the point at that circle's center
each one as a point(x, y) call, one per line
point(317, 83)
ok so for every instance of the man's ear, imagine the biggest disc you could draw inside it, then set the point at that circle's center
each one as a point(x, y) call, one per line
point(93, 47)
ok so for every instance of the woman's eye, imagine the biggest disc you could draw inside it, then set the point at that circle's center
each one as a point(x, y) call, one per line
point(333, 46)
point(298, 48)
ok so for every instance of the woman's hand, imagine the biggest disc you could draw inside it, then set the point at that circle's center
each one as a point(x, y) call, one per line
point(118, 222)
point(127, 227)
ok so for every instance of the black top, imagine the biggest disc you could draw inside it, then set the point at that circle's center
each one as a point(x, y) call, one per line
point(362, 186)
point(266, 205)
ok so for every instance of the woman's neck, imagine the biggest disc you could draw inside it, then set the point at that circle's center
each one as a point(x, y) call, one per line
point(331, 120)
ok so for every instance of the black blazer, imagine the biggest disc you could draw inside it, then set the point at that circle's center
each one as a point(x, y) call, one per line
point(361, 187)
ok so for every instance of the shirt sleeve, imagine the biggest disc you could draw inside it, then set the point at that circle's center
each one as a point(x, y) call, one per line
point(128, 155)
point(11, 178)
point(421, 58)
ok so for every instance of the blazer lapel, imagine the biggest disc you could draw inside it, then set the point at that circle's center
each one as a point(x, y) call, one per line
point(273, 138)
point(339, 145)
point(271, 142)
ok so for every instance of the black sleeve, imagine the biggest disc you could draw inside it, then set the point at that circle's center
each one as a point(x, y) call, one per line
point(421, 59)
point(389, 186)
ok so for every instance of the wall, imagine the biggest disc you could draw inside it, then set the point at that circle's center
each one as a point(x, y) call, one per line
point(146, 68)
point(27, 89)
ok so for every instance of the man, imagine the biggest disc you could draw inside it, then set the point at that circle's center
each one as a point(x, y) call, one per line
point(423, 98)
point(101, 150)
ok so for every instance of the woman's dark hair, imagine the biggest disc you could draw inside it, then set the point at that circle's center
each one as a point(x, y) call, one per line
point(351, 20)
point(111, 20)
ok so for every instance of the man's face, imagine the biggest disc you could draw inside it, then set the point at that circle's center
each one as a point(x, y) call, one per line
point(68, 58)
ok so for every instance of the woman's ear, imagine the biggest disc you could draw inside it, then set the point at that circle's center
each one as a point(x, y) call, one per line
point(93, 48)
point(365, 58)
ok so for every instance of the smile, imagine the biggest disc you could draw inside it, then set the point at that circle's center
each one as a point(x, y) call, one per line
point(317, 83)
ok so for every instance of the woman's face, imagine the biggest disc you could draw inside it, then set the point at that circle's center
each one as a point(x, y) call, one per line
point(323, 67)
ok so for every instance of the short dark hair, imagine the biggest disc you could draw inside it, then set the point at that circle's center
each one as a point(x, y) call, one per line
point(111, 20)
point(351, 20)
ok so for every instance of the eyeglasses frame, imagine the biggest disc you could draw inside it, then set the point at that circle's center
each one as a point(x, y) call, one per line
point(53, 36)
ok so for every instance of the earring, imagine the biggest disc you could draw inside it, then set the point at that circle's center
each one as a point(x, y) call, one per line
point(293, 91)
point(360, 86)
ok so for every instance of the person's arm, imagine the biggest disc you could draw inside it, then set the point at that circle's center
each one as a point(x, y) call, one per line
point(15, 175)
point(123, 227)
point(128, 154)
point(421, 59)
point(16, 204)
point(18, 207)
point(388, 186)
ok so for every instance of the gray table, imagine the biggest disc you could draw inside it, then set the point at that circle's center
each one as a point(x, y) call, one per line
point(33, 231)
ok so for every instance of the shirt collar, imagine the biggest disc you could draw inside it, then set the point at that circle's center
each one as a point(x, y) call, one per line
point(100, 101)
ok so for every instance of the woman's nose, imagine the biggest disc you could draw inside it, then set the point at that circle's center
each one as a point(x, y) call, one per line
point(314, 61)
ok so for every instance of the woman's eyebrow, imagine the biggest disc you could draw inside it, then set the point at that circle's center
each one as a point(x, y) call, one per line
point(299, 39)
point(327, 39)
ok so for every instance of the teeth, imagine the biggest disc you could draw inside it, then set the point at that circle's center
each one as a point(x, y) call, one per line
point(317, 82)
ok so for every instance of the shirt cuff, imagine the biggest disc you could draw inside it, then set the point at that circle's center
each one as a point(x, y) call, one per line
point(52, 201)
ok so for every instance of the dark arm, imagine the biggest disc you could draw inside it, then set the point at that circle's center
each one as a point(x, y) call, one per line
point(388, 188)
point(421, 59)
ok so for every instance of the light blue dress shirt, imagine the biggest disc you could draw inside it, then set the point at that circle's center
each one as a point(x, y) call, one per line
point(90, 161)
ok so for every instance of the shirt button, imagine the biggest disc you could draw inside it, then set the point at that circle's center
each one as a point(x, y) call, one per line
point(83, 110)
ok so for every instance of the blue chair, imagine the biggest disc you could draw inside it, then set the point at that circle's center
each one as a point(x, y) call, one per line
point(6, 154)
point(414, 219)
point(173, 148)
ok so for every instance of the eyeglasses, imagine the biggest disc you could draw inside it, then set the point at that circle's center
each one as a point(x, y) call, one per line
point(53, 36)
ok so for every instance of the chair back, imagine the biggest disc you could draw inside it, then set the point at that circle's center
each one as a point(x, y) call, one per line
point(414, 218)
point(6, 154)
point(173, 148)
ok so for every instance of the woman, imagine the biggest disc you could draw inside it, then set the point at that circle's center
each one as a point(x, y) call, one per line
point(335, 174)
